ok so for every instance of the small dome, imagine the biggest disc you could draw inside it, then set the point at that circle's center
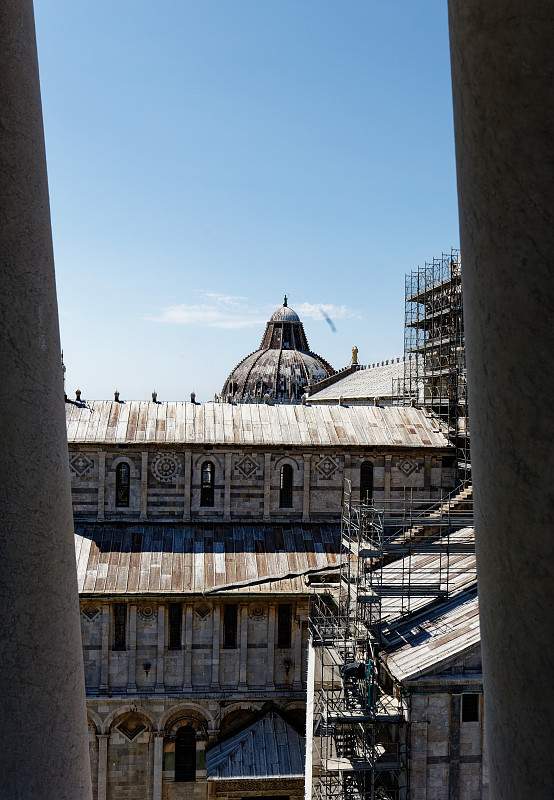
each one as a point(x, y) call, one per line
point(281, 369)
point(284, 314)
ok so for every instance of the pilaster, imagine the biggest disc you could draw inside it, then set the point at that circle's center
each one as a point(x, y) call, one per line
point(227, 497)
point(306, 496)
point(160, 686)
point(101, 485)
point(158, 766)
point(187, 640)
point(144, 486)
point(267, 485)
point(243, 646)
point(216, 622)
point(105, 657)
point(132, 651)
point(271, 616)
point(188, 483)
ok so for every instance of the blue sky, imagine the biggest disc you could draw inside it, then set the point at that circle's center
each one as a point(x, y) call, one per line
point(206, 157)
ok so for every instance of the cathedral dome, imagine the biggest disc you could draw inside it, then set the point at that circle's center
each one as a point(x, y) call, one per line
point(281, 369)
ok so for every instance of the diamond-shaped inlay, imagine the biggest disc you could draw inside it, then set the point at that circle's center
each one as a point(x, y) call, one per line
point(90, 612)
point(202, 611)
point(132, 726)
point(247, 466)
point(81, 465)
point(407, 467)
point(327, 467)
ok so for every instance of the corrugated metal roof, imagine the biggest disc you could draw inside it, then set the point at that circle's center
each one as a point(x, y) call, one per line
point(450, 571)
point(270, 748)
point(434, 638)
point(365, 383)
point(195, 559)
point(136, 422)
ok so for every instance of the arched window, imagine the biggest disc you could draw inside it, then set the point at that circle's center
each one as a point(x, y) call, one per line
point(122, 484)
point(285, 487)
point(366, 482)
point(207, 480)
point(185, 754)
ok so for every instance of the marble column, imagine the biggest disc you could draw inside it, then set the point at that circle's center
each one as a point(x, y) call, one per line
point(160, 656)
point(40, 639)
point(502, 77)
point(132, 651)
point(103, 739)
point(158, 766)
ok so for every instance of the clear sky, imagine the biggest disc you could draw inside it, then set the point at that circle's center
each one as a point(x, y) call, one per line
point(206, 157)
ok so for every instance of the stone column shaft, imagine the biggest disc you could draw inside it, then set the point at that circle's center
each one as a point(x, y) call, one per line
point(297, 627)
point(501, 54)
point(158, 766)
point(44, 751)
point(102, 766)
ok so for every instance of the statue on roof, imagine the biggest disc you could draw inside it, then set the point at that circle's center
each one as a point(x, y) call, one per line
point(354, 355)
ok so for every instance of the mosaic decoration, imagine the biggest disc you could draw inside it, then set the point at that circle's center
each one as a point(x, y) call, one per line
point(90, 612)
point(327, 467)
point(407, 467)
point(146, 613)
point(165, 467)
point(81, 465)
point(247, 466)
point(202, 611)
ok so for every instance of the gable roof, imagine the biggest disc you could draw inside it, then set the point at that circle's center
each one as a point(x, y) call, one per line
point(269, 748)
point(199, 559)
point(179, 423)
point(364, 383)
point(435, 637)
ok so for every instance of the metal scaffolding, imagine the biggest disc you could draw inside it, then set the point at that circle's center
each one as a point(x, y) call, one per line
point(434, 349)
point(397, 557)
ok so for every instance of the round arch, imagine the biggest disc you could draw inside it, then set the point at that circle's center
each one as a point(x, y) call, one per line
point(191, 711)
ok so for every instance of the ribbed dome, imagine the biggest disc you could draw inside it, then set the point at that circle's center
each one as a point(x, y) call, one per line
point(281, 369)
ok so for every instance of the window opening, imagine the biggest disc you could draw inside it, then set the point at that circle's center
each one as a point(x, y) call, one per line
point(122, 484)
point(284, 625)
point(185, 754)
point(366, 482)
point(230, 618)
point(207, 484)
point(175, 625)
point(285, 487)
point(119, 626)
point(470, 708)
